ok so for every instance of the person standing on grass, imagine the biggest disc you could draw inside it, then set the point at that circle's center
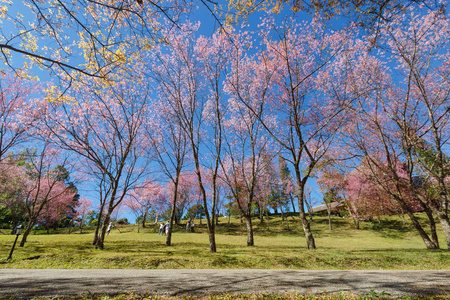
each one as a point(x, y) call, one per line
point(167, 228)
point(188, 226)
point(161, 229)
point(109, 228)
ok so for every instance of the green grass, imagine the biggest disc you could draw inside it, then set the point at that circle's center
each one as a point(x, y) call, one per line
point(393, 246)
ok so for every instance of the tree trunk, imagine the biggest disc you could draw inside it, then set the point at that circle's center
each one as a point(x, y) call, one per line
point(101, 237)
point(212, 242)
point(102, 234)
point(442, 214)
point(301, 207)
point(97, 227)
point(172, 217)
point(143, 219)
point(293, 205)
point(26, 233)
point(248, 222)
point(261, 214)
point(329, 215)
point(310, 215)
point(306, 228)
point(356, 222)
point(287, 223)
point(70, 225)
point(430, 216)
point(428, 243)
point(445, 224)
point(443, 219)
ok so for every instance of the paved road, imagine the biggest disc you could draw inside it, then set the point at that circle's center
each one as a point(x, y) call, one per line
point(26, 283)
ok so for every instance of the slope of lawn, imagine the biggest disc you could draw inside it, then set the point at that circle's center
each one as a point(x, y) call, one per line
point(394, 245)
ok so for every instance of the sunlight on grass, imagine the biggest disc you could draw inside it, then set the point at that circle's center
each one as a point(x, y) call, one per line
point(394, 246)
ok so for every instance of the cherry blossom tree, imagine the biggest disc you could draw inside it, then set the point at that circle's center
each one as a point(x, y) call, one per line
point(83, 210)
point(19, 109)
point(57, 209)
point(367, 14)
point(188, 193)
point(246, 140)
point(374, 137)
point(169, 142)
point(42, 187)
point(330, 195)
point(103, 124)
point(187, 69)
point(12, 181)
point(418, 46)
point(305, 116)
point(213, 56)
point(145, 198)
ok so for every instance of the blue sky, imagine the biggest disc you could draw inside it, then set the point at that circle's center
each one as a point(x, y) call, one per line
point(208, 27)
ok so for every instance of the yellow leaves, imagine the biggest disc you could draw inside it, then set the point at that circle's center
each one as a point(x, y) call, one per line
point(240, 9)
point(6, 52)
point(230, 20)
point(148, 44)
point(29, 41)
point(3, 11)
point(276, 9)
point(50, 92)
point(53, 94)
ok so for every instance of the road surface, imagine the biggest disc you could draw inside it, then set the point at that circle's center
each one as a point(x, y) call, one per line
point(29, 283)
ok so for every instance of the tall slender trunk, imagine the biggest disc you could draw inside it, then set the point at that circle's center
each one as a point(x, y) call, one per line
point(98, 226)
point(287, 223)
point(70, 225)
point(442, 213)
point(445, 223)
point(356, 222)
point(144, 217)
point(261, 214)
point(301, 206)
point(329, 217)
point(430, 216)
point(210, 225)
point(426, 239)
point(248, 222)
point(172, 217)
point(293, 204)
point(26, 233)
point(443, 219)
point(101, 236)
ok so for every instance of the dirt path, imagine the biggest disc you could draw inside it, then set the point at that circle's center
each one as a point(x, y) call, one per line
point(29, 283)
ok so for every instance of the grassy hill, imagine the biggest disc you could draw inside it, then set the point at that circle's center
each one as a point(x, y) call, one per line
point(393, 245)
